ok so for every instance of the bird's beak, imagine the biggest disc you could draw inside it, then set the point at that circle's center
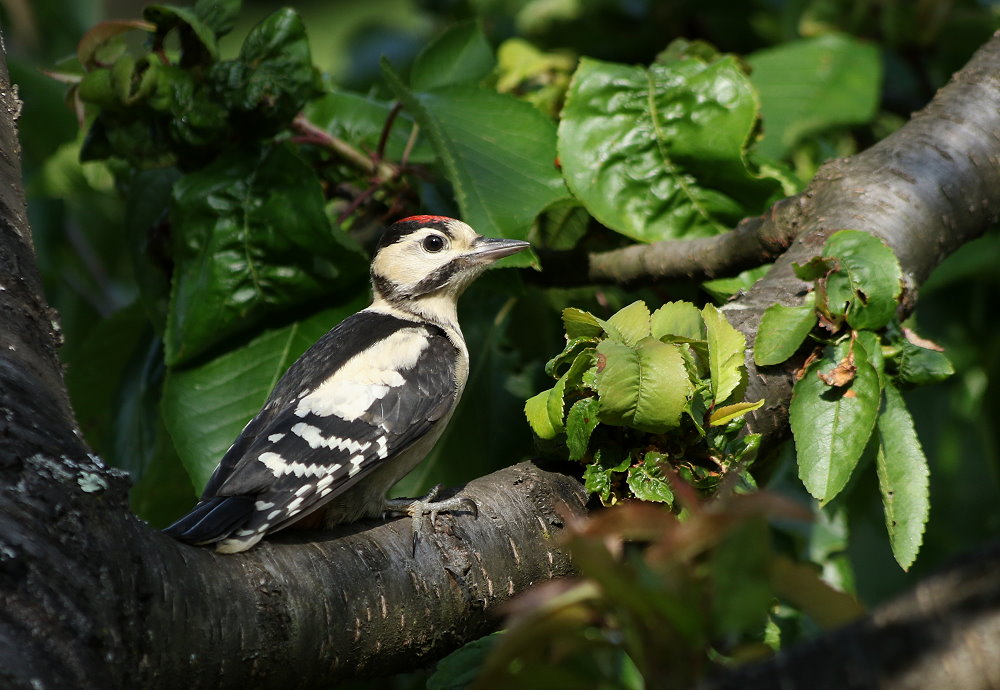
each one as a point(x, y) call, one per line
point(489, 249)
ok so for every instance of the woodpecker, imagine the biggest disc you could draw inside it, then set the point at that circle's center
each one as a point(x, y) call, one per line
point(363, 406)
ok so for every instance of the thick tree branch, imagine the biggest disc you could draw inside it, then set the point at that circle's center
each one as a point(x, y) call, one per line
point(945, 633)
point(753, 242)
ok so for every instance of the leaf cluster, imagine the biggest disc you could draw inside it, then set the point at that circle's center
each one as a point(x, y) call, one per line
point(642, 396)
point(847, 396)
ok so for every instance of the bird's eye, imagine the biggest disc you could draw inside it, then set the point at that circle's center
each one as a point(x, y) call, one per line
point(433, 243)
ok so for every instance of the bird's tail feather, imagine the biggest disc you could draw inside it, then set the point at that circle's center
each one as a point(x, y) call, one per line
point(212, 519)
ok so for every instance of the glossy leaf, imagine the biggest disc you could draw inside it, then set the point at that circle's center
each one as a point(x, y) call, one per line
point(919, 366)
point(460, 54)
point(273, 77)
point(903, 478)
point(207, 406)
point(781, 332)
point(873, 274)
point(832, 425)
point(658, 153)
point(497, 151)
point(251, 238)
point(598, 475)
point(810, 85)
point(645, 386)
point(647, 481)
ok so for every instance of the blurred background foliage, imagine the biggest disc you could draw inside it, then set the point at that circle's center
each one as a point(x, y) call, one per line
point(87, 241)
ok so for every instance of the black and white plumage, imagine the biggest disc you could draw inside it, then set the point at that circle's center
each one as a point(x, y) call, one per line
point(363, 406)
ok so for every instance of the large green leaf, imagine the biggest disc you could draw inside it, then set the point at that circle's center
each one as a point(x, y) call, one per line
point(806, 86)
point(205, 407)
point(498, 152)
point(832, 424)
point(460, 54)
point(870, 279)
point(644, 386)
point(251, 238)
point(659, 153)
point(903, 477)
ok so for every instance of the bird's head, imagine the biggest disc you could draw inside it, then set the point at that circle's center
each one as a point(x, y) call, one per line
point(424, 258)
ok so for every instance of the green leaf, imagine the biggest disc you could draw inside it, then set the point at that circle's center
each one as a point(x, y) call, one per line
point(497, 151)
point(781, 332)
point(597, 476)
point(726, 354)
point(727, 413)
point(646, 481)
point(814, 269)
point(361, 119)
point(198, 41)
point(581, 324)
point(460, 669)
point(645, 386)
point(874, 275)
point(580, 424)
point(681, 319)
point(218, 15)
point(574, 348)
point(273, 77)
point(460, 54)
point(903, 478)
point(659, 153)
point(810, 85)
point(831, 425)
point(555, 406)
point(920, 366)
point(536, 411)
point(205, 407)
point(630, 324)
point(251, 239)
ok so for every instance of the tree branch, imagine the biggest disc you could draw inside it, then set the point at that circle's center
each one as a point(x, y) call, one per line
point(753, 242)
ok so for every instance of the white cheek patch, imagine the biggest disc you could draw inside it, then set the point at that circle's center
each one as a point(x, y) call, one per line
point(365, 378)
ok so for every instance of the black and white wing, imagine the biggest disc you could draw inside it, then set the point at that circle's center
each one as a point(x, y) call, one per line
point(335, 416)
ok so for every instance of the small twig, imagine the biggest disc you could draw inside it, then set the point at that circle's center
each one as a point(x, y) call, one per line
point(341, 148)
point(386, 129)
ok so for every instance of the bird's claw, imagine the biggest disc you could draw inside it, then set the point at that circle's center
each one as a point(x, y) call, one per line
point(417, 508)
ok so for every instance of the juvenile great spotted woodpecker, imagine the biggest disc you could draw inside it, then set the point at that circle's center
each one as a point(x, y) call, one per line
point(363, 406)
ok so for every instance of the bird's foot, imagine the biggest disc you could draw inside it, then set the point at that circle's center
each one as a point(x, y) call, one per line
point(417, 508)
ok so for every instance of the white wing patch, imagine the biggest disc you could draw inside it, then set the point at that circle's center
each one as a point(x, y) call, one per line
point(315, 438)
point(366, 377)
point(279, 466)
